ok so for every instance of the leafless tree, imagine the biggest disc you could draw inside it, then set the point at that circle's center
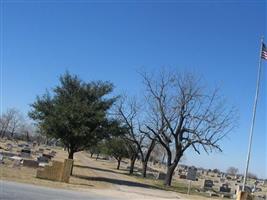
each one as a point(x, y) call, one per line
point(252, 176)
point(128, 111)
point(133, 154)
point(182, 115)
point(10, 122)
point(232, 170)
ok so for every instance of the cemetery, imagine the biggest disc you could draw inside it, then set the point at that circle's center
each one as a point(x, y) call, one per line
point(127, 150)
point(42, 165)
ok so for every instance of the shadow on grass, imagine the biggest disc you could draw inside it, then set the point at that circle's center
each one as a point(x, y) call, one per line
point(100, 169)
point(117, 181)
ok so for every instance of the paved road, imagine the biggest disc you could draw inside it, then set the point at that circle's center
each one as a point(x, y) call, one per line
point(19, 191)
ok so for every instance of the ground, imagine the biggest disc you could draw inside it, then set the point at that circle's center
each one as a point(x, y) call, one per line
point(100, 177)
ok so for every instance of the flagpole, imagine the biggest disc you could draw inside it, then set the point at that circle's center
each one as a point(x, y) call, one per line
point(253, 117)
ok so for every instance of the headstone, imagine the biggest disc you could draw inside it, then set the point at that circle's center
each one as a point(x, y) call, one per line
point(161, 176)
point(9, 147)
point(225, 188)
point(182, 176)
point(208, 184)
point(7, 154)
point(59, 171)
point(25, 153)
point(41, 150)
point(16, 158)
point(21, 145)
point(1, 159)
point(239, 188)
point(42, 164)
point(16, 163)
point(53, 153)
point(222, 180)
point(48, 156)
point(42, 159)
point(191, 174)
point(30, 163)
point(34, 144)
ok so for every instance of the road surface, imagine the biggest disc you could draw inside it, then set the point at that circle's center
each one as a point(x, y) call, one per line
point(19, 191)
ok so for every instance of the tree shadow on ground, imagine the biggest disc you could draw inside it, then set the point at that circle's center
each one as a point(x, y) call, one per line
point(100, 169)
point(117, 181)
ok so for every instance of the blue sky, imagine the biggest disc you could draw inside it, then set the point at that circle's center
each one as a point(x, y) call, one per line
point(111, 40)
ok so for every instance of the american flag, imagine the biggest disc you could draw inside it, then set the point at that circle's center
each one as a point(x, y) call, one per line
point(264, 52)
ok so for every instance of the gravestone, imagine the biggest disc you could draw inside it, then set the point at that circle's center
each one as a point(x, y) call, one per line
point(191, 174)
point(182, 176)
point(42, 164)
point(40, 150)
point(225, 188)
point(53, 153)
point(30, 163)
point(42, 159)
point(21, 145)
point(9, 147)
point(16, 163)
point(208, 184)
point(25, 153)
point(222, 180)
point(239, 188)
point(59, 171)
point(7, 154)
point(1, 159)
point(34, 144)
point(48, 156)
point(161, 176)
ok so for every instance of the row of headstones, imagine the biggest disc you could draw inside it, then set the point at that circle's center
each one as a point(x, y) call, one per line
point(208, 184)
point(26, 153)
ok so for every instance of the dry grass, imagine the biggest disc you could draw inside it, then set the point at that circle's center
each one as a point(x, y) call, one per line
point(28, 175)
point(101, 174)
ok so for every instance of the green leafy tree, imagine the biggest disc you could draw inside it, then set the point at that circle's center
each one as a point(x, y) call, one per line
point(117, 148)
point(75, 112)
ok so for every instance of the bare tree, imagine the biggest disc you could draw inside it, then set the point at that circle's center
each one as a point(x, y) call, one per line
point(128, 111)
point(133, 154)
point(10, 122)
point(182, 115)
point(16, 122)
point(157, 155)
point(252, 176)
point(232, 170)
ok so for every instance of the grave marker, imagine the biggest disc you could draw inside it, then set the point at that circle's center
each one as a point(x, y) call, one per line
point(191, 174)
point(161, 176)
point(208, 184)
point(30, 163)
point(25, 153)
point(225, 188)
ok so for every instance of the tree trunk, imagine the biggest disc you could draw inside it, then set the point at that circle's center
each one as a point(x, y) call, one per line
point(144, 163)
point(168, 178)
point(71, 155)
point(170, 168)
point(97, 156)
point(12, 133)
point(133, 159)
point(119, 163)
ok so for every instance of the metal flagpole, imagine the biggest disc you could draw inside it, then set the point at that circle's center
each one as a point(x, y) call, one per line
point(253, 118)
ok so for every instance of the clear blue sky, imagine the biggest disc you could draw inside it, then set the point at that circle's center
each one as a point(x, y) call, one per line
point(111, 40)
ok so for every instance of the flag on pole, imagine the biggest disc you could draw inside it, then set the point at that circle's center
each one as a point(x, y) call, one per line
point(264, 52)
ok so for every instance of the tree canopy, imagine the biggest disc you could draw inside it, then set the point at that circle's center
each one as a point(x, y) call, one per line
point(75, 112)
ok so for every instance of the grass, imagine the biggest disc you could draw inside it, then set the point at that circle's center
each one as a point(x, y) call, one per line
point(101, 174)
